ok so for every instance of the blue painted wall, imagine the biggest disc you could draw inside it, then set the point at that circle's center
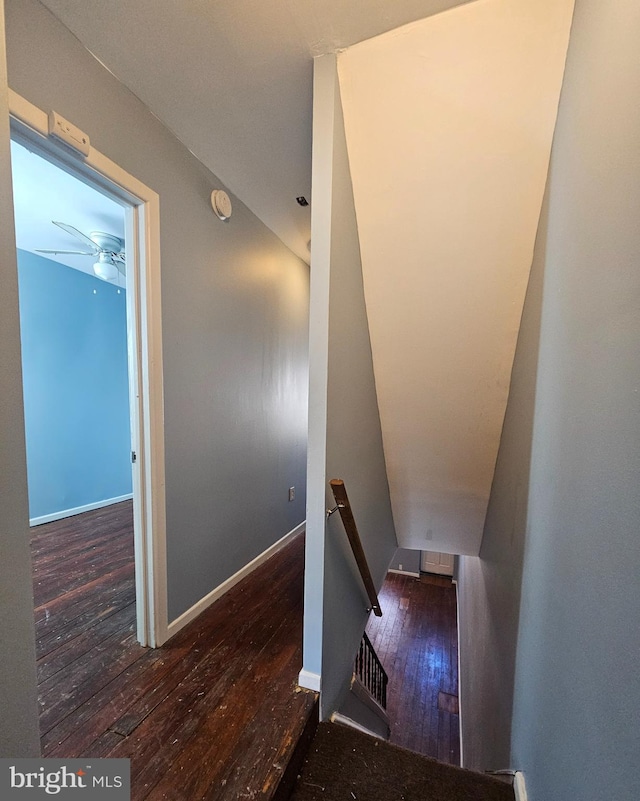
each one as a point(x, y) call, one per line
point(74, 361)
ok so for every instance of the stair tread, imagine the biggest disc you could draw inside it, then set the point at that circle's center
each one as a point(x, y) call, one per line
point(343, 763)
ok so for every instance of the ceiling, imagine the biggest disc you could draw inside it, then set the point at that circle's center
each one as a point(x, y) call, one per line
point(448, 203)
point(43, 192)
point(233, 80)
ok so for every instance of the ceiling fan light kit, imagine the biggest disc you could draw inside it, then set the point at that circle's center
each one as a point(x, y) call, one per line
point(105, 268)
point(108, 248)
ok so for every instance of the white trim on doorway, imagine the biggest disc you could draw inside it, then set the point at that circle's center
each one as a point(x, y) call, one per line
point(30, 125)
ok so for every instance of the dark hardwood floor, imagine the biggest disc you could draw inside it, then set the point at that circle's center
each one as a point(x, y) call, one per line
point(417, 642)
point(213, 714)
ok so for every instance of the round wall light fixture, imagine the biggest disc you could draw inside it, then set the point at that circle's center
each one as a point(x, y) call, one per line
point(221, 204)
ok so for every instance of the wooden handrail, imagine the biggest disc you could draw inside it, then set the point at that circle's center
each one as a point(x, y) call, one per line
point(344, 507)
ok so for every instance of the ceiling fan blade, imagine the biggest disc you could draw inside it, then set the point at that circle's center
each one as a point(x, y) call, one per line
point(78, 234)
point(67, 252)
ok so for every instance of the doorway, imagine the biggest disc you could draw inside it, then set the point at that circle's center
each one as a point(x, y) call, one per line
point(440, 564)
point(131, 276)
point(74, 340)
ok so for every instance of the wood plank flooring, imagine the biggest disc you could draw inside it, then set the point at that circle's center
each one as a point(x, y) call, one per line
point(213, 714)
point(417, 642)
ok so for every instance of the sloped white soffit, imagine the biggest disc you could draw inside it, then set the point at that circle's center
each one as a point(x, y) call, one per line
point(449, 123)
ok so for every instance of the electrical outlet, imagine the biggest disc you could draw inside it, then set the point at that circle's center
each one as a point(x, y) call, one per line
point(399, 567)
point(292, 493)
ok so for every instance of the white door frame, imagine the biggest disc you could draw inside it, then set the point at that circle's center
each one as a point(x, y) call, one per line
point(30, 125)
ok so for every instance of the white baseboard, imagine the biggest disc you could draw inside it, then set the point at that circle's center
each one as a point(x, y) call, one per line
point(366, 699)
point(338, 718)
point(219, 591)
point(439, 570)
point(403, 572)
point(519, 787)
point(309, 680)
point(460, 738)
point(78, 510)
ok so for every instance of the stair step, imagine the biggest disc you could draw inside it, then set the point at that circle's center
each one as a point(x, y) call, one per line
point(342, 763)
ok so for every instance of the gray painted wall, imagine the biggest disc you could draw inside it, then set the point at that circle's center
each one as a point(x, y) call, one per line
point(407, 560)
point(568, 518)
point(489, 585)
point(235, 323)
point(345, 437)
point(19, 735)
point(577, 690)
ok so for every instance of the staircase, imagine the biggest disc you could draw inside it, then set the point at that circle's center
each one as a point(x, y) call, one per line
point(343, 764)
point(335, 762)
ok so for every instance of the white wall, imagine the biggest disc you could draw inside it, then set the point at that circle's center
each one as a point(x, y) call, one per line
point(19, 736)
point(449, 123)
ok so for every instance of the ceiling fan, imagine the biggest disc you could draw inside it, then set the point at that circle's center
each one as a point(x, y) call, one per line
point(108, 248)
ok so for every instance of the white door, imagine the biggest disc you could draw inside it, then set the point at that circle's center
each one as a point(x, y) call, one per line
point(440, 563)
